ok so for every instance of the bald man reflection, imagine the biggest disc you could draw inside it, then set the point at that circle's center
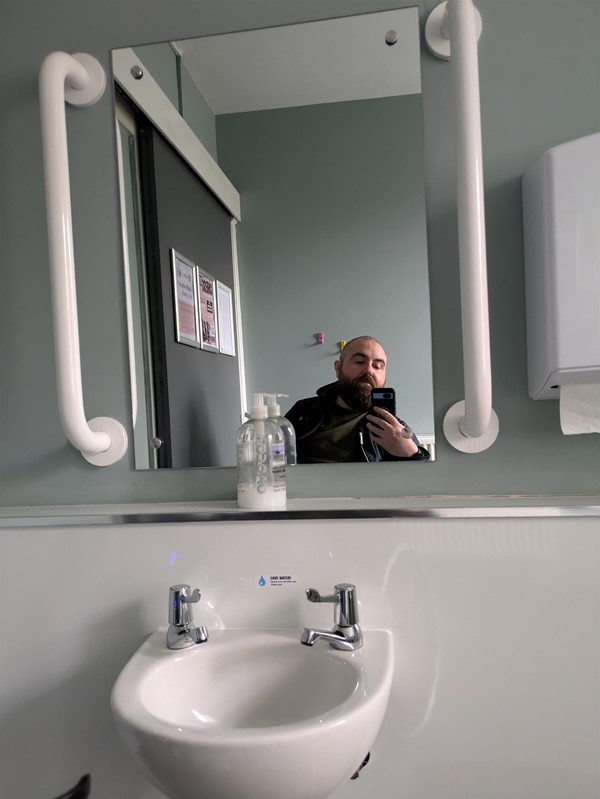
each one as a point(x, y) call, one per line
point(339, 424)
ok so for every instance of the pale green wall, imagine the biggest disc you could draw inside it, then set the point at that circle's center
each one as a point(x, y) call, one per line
point(198, 114)
point(539, 80)
point(334, 240)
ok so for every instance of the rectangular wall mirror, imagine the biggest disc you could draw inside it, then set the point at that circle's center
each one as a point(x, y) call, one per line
point(309, 219)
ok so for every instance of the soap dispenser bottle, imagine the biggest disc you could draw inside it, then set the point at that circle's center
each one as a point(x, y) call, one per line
point(260, 460)
point(287, 428)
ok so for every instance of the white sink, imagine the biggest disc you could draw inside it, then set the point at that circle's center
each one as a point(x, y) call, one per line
point(252, 714)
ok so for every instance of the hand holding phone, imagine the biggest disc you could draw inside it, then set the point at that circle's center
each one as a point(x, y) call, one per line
point(386, 398)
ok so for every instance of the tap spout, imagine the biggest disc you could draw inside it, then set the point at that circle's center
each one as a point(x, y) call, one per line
point(345, 638)
point(183, 637)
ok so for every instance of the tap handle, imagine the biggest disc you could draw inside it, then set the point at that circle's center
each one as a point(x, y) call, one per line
point(180, 597)
point(314, 596)
point(346, 612)
point(190, 599)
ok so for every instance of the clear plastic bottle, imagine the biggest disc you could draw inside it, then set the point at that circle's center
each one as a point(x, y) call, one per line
point(260, 460)
point(287, 428)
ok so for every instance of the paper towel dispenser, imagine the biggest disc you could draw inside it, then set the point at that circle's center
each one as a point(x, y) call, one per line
point(561, 226)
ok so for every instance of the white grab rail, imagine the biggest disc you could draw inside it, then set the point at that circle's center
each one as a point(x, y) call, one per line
point(470, 425)
point(80, 80)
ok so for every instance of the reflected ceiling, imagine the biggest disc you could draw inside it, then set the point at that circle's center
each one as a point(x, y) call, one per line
point(321, 62)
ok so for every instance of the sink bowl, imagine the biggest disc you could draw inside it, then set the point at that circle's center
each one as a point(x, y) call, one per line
point(252, 714)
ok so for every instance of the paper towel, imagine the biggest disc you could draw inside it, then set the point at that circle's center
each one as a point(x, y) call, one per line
point(580, 408)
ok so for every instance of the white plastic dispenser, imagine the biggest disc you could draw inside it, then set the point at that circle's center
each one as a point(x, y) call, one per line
point(260, 460)
point(287, 428)
point(561, 213)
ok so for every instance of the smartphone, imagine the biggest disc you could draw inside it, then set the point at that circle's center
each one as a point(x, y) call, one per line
point(384, 398)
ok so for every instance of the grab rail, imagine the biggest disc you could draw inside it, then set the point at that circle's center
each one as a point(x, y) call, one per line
point(470, 425)
point(79, 80)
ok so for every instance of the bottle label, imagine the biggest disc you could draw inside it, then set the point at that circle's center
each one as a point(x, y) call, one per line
point(278, 453)
point(262, 466)
point(278, 450)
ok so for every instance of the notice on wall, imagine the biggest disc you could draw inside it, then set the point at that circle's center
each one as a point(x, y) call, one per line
point(209, 339)
point(184, 286)
point(225, 317)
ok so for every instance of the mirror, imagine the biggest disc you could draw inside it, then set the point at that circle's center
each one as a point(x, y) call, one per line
point(318, 127)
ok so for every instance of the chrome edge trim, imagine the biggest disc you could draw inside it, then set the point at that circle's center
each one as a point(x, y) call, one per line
point(178, 517)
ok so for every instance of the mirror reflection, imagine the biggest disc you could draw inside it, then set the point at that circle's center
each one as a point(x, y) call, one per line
point(272, 191)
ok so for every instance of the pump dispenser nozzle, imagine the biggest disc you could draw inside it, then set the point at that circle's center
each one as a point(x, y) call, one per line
point(259, 409)
point(272, 404)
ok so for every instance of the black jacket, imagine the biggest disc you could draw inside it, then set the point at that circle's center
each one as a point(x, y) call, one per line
point(309, 415)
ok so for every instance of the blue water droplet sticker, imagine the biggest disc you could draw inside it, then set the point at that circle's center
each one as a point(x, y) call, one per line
point(173, 558)
point(262, 581)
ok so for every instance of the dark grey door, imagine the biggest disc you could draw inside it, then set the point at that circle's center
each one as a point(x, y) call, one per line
point(197, 392)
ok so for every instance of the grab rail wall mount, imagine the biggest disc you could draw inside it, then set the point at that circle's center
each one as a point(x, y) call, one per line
point(452, 29)
point(79, 80)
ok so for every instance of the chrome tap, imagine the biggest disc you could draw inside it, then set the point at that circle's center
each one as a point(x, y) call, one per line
point(345, 633)
point(181, 632)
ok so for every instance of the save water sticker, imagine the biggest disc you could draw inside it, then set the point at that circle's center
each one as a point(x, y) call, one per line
point(268, 580)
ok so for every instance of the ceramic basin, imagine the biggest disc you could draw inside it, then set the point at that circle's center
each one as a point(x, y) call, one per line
point(252, 714)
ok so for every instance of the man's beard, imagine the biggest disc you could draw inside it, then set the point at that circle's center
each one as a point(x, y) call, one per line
point(357, 395)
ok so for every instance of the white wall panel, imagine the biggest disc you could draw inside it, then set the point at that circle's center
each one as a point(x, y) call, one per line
point(495, 621)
